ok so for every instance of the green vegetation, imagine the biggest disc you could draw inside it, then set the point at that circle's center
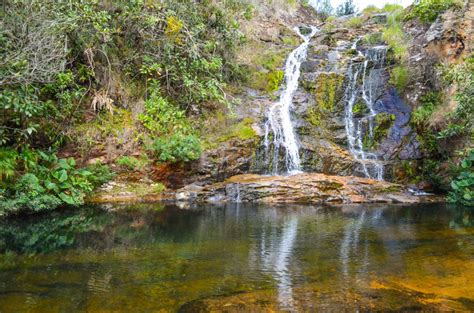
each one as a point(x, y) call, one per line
point(400, 77)
point(394, 35)
point(463, 185)
point(382, 124)
point(460, 121)
point(346, 8)
point(37, 181)
point(328, 87)
point(74, 75)
point(355, 22)
point(428, 10)
point(177, 148)
point(422, 115)
point(133, 163)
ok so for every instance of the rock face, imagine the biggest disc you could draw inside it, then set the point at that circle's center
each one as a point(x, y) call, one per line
point(301, 188)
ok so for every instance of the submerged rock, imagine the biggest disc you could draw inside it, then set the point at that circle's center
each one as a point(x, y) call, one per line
point(303, 188)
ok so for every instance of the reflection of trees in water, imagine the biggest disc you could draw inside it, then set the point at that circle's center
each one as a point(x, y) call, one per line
point(94, 228)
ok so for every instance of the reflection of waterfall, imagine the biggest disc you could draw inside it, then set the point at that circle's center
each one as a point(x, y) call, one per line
point(276, 252)
point(278, 118)
point(350, 242)
point(364, 84)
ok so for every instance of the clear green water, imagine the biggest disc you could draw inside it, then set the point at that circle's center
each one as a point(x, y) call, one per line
point(238, 258)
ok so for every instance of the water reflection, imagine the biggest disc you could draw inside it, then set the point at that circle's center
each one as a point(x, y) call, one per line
point(276, 249)
point(291, 258)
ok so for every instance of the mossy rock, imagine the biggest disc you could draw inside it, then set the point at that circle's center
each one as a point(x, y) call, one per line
point(382, 124)
point(328, 90)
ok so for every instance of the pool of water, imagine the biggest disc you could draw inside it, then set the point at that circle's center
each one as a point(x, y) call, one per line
point(239, 258)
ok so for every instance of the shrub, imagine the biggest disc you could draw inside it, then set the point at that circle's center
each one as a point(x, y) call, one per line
point(399, 77)
point(133, 163)
point(421, 116)
point(49, 183)
point(463, 186)
point(428, 10)
point(355, 22)
point(460, 121)
point(177, 148)
point(395, 37)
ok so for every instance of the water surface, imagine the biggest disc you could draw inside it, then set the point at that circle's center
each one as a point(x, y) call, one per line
point(239, 257)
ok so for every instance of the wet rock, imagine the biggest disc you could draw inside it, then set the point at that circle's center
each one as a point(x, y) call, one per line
point(306, 188)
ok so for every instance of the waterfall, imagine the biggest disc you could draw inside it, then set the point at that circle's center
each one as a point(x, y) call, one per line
point(279, 117)
point(363, 84)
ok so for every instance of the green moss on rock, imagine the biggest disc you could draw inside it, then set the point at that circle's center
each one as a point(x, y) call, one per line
point(328, 88)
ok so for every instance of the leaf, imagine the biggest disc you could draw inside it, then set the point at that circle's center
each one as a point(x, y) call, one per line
point(50, 185)
point(62, 176)
point(67, 199)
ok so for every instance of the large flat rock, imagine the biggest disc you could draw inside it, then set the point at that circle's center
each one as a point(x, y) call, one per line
point(301, 188)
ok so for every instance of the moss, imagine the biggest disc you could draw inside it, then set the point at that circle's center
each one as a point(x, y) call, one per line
point(274, 79)
point(328, 87)
point(242, 131)
point(265, 72)
point(290, 40)
point(382, 124)
point(358, 109)
point(314, 117)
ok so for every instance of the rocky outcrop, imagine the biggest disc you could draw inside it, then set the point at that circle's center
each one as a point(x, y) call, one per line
point(301, 188)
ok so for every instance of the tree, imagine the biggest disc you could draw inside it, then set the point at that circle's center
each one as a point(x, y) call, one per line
point(346, 8)
point(322, 7)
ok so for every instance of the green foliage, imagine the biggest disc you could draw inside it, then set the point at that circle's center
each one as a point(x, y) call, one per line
point(394, 35)
point(359, 108)
point(177, 148)
point(373, 39)
point(382, 124)
point(133, 163)
point(273, 80)
point(392, 7)
point(161, 117)
point(461, 76)
point(428, 10)
point(355, 22)
point(421, 116)
point(399, 77)
point(48, 183)
point(371, 9)
point(346, 8)
point(463, 186)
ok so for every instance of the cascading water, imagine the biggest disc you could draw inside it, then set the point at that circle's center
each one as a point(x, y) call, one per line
point(279, 118)
point(364, 83)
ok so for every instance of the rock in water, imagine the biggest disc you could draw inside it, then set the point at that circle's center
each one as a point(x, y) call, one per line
point(304, 188)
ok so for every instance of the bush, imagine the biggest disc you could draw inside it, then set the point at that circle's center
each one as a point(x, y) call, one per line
point(394, 35)
point(399, 77)
point(460, 121)
point(355, 22)
point(133, 163)
point(48, 183)
point(429, 10)
point(463, 186)
point(177, 148)
point(421, 116)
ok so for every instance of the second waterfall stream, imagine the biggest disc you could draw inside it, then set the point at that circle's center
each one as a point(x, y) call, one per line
point(279, 124)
